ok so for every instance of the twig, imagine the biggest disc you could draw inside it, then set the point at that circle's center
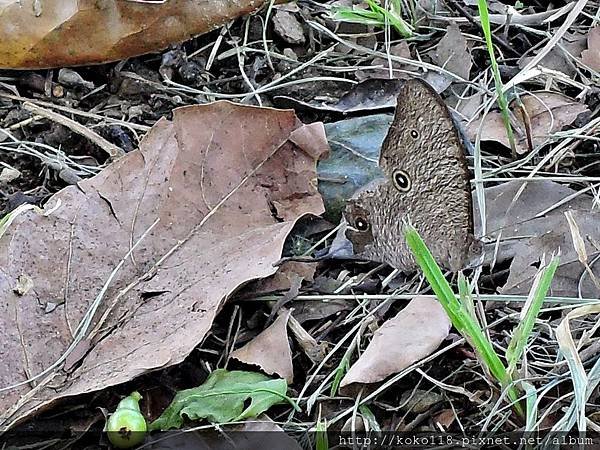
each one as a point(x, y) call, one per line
point(110, 148)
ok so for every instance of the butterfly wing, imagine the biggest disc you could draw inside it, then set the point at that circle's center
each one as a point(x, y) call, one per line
point(427, 183)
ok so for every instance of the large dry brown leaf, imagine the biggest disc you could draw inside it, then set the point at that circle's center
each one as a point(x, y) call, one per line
point(58, 33)
point(414, 333)
point(227, 182)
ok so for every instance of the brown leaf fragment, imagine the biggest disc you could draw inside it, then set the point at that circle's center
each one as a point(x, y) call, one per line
point(315, 351)
point(315, 310)
point(78, 32)
point(445, 418)
point(270, 350)
point(139, 259)
point(419, 401)
point(591, 56)
point(398, 69)
point(288, 28)
point(548, 113)
point(414, 333)
point(285, 277)
point(571, 278)
point(452, 53)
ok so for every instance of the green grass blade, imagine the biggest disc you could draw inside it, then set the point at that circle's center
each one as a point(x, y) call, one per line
point(458, 315)
point(541, 285)
point(341, 370)
point(349, 14)
point(466, 298)
point(321, 431)
point(393, 16)
point(376, 15)
point(370, 418)
point(531, 414)
point(502, 102)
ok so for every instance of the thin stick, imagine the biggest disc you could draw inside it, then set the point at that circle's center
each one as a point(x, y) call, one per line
point(110, 148)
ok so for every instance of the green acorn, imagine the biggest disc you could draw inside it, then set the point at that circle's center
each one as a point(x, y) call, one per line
point(126, 427)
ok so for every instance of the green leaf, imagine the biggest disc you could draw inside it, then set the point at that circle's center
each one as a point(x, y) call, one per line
point(221, 399)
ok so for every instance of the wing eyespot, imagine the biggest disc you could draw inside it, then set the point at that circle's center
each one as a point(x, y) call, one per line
point(402, 181)
point(414, 134)
point(361, 224)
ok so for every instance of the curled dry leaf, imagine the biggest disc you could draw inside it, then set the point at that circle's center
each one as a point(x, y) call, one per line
point(543, 113)
point(414, 333)
point(76, 32)
point(270, 350)
point(227, 183)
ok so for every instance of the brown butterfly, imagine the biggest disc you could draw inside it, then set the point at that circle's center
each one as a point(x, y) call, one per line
point(426, 181)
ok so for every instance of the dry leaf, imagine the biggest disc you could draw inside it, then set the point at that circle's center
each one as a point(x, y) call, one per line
point(493, 130)
point(534, 224)
point(284, 278)
point(571, 278)
point(270, 350)
point(288, 28)
point(591, 56)
point(398, 69)
point(545, 114)
point(548, 112)
point(453, 54)
point(316, 310)
point(419, 400)
point(469, 106)
point(445, 418)
point(372, 94)
point(77, 32)
point(414, 333)
point(560, 57)
point(227, 182)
